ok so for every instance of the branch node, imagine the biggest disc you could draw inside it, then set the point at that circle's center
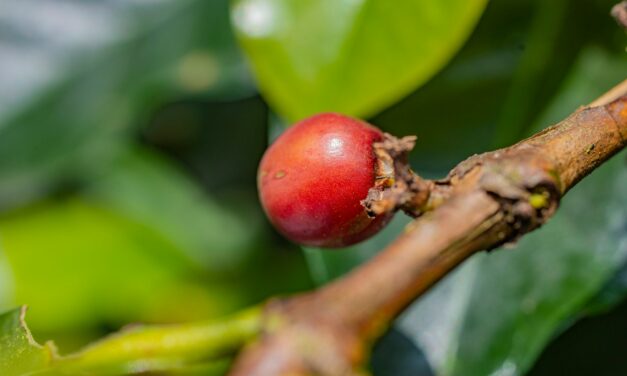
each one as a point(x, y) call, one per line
point(306, 341)
point(397, 186)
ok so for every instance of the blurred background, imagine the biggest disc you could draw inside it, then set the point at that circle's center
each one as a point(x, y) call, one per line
point(130, 133)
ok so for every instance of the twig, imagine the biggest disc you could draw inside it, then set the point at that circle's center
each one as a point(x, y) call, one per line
point(612, 94)
point(485, 201)
point(164, 347)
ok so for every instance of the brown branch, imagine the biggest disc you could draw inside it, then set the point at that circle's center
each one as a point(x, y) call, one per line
point(487, 200)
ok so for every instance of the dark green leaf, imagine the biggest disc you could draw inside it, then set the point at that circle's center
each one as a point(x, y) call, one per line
point(611, 294)
point(79, 74)
point(147, 189)
point(355, 57)
point(396, 355)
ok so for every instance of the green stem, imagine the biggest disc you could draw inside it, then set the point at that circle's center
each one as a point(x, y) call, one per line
point(163, 347)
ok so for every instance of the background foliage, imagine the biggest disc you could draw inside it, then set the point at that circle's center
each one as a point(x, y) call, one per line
point(130, 134)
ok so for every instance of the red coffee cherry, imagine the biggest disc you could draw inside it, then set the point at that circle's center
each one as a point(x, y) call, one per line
point(312, 179)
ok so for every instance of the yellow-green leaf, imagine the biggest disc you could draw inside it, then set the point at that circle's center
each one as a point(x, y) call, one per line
point(350, 56)
point(19, 353)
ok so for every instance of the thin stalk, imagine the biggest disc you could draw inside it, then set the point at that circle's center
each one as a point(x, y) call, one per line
point(164, 347)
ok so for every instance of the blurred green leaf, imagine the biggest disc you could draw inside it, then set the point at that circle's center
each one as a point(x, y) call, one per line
point(496, 313)
point(611, 294)
point(80, 74)
point(530, 75)
point(208, 139)
point(79, 265)
point(146, 188)
point(396, 355)
point(552, 45)
point(6, 281)
point(355, 57)
point(223, 237)
point(19, 353)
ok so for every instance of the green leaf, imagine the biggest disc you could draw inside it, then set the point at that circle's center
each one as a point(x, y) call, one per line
point(355, 57)
point(82, 73)
point(530, 78)
point(80, 265)
point(552, 45)
point(146, 188)
point(19, 353)
point(610, 295)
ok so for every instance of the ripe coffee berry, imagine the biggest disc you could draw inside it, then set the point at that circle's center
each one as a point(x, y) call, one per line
point(313, 178)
